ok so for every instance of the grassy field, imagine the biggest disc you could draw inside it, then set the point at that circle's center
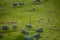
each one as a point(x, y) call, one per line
point(48, 11)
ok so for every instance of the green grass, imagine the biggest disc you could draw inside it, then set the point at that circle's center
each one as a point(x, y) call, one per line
point(21, 13)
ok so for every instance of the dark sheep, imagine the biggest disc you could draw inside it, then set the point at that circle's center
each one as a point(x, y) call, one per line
point(5, 27)
point(29, 26)
point(24, 32)
point(39, 30)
